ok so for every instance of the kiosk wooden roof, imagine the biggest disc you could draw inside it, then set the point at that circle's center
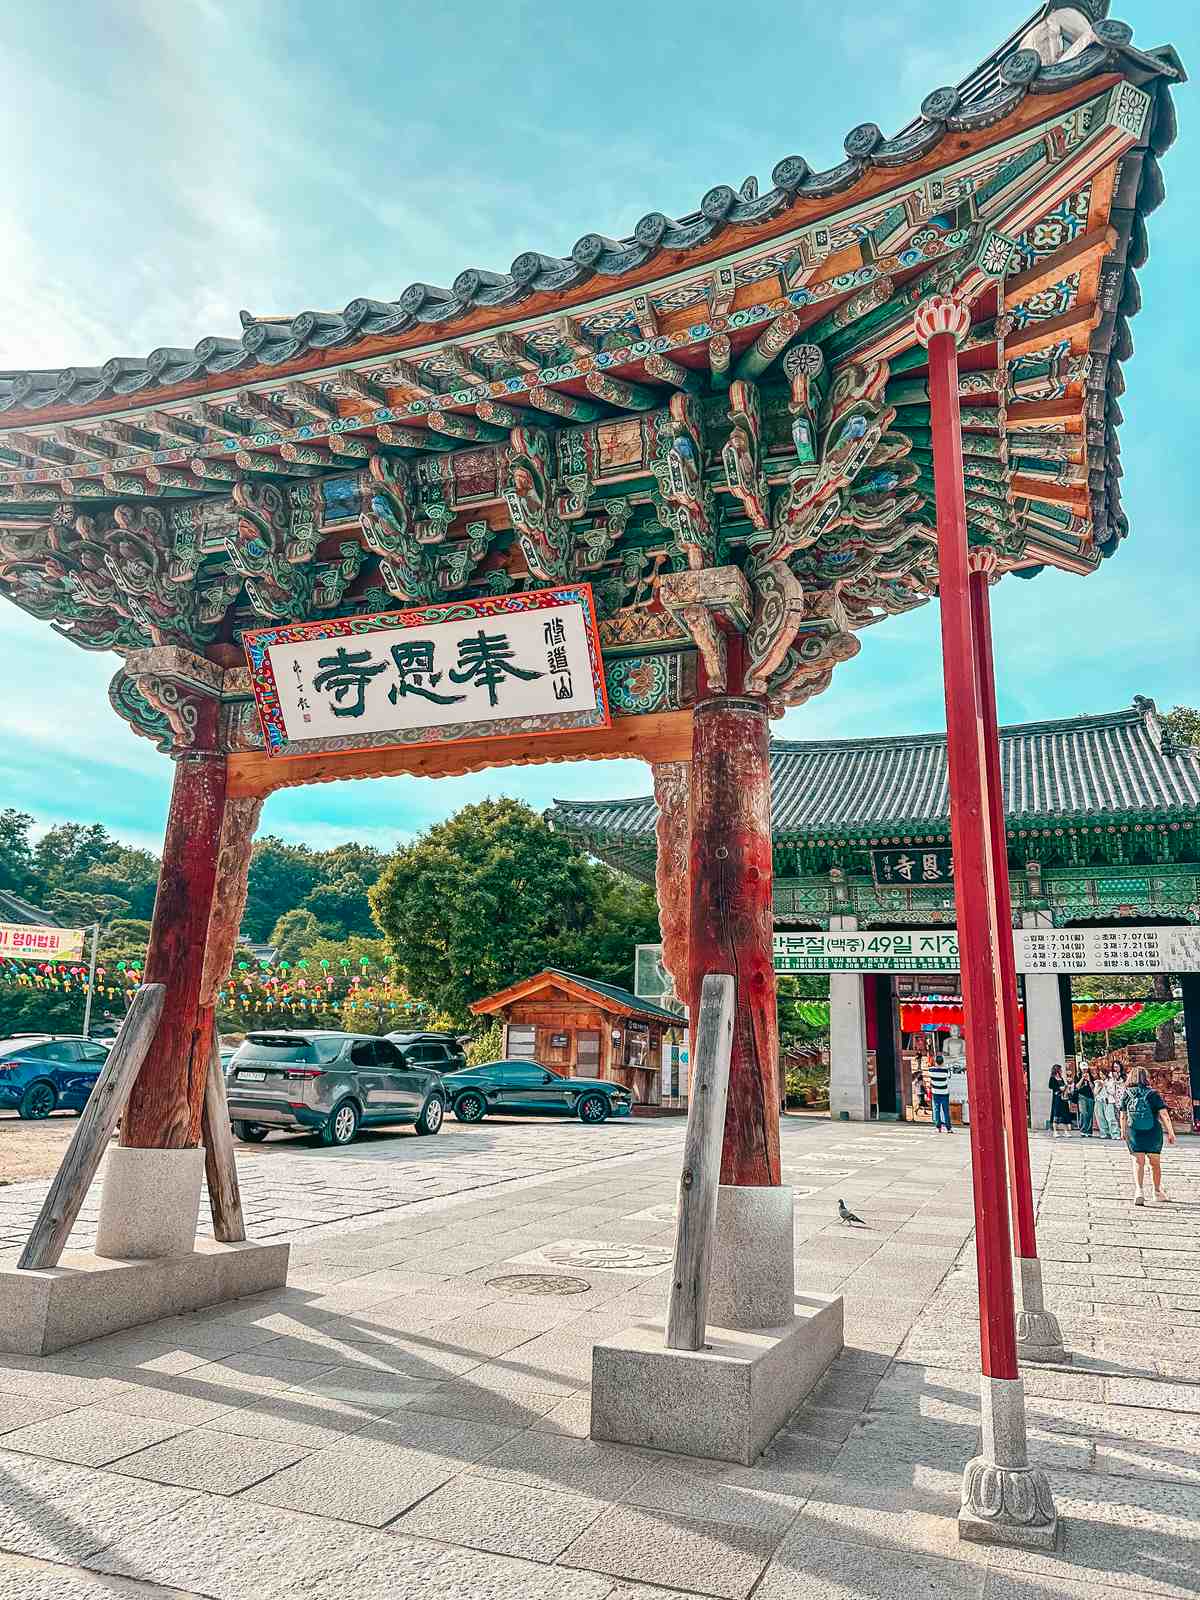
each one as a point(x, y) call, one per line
point(736, 391)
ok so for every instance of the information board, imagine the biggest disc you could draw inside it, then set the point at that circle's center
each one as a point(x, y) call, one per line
point(1114, 949)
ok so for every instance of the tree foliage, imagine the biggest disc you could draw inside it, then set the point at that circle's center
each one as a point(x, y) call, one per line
point(493, 895)
point(1184, 723)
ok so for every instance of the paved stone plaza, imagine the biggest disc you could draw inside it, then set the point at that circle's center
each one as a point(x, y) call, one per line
point(398, 1423)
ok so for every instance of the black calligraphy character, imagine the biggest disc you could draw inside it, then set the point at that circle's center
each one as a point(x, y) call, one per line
point(553, 631)
point(414, 663)
point(483, 661)
point(562, 688)
point(347, 671)
point(556, 659)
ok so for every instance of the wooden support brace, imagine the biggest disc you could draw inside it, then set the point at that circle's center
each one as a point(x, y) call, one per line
point(687, 1302)
point(220, 1165)
point(48, 1236)
point(1074, 325)
point(1053, 269)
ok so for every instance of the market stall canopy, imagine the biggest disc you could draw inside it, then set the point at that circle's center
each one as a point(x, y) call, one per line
point(720, 422)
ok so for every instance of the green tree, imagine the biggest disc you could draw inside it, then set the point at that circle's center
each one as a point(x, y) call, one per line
point(280, 879)
point(16, 851)
point(624, 915)
point(486, 1046)
point(1184, 723)
point(479, 901)
point(293, 933)
point(342, 906)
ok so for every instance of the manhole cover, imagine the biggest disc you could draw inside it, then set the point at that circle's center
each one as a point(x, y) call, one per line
point(539, 1283)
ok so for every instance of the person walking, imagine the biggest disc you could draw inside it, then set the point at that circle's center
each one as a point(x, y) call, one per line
point(1108, 1104)
point(939, 1088)
point(1085, 1090)
point(1145, 1121)
point(1060, 1110)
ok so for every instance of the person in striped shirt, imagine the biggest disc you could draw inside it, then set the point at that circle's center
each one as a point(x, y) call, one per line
point(939, 1088)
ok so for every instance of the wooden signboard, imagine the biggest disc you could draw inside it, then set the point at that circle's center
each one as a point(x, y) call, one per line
point(913, 864)
point(502, 666)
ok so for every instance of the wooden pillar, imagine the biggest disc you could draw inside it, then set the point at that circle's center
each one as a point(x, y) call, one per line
point(1016, 1119)
point(941, 324)
point(731, 925)
point(672, 875)
point(197, 913)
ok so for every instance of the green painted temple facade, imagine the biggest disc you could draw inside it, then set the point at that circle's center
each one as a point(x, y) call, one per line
point(1103, 823)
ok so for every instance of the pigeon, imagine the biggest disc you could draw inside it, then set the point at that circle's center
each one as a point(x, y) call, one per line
point(848, 1216)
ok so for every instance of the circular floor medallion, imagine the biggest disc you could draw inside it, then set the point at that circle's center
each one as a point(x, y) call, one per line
point(621, 1257)
point(539, 1283)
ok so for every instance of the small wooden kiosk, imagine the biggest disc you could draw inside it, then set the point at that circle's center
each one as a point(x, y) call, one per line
point(578, 1027)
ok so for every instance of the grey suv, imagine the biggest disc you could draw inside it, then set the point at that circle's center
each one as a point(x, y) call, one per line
point(328, 1084)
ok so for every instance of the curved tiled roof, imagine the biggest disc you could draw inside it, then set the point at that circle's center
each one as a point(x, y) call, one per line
point(991, 93)
point(1119, 763)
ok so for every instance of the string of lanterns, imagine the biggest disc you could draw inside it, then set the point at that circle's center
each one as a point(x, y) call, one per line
point(295, 986)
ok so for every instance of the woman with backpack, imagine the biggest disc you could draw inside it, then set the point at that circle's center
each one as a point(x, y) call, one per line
point(1144, 1121)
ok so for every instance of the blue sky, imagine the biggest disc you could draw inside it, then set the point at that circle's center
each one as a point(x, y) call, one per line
point(171, 161)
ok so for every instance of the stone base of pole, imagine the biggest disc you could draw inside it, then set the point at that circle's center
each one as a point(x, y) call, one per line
point(1004, 1499)
point(765, 1347)
point(1039, 1337)
point(147, 1262)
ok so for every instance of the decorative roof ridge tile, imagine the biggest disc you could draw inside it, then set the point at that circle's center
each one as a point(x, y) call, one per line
point(270, 342)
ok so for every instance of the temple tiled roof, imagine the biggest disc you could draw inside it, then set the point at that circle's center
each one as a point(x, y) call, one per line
point(1116, 764)
point(990, 93)
point(738, 391)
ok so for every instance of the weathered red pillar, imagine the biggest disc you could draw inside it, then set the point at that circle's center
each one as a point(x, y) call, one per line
point(1003, 1498)
point(167, 1101)
point(1039, 1336)
point(941, 324)
point(731, 924)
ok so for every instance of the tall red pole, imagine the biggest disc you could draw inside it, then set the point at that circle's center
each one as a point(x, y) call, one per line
point(1004, 1499)
point(1039, 1336)
point(941, 325)
point(982, 566)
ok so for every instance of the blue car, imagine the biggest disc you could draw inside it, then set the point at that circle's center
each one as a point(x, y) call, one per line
point(41, 1073)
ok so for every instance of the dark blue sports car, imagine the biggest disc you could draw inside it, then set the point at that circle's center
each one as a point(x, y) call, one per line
point(40, 1073)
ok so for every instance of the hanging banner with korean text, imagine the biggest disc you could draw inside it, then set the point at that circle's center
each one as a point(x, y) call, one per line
point(28, 942)
point(497, 667)
point(914, 864)
point(1113, 949)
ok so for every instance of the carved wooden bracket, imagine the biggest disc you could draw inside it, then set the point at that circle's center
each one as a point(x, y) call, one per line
point(180, 693)
point(709, 603)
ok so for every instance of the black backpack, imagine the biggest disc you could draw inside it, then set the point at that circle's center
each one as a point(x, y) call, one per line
point(1143, 1118)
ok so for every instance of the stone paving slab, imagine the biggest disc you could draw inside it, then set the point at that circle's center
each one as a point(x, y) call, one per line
point(399, 1422)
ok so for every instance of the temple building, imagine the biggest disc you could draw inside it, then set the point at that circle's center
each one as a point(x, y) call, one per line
point(1103, 827)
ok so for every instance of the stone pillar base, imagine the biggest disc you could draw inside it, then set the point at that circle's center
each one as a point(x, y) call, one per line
point(87, 1296)
point(1004, 1499)
point(726, 1401)
point(752, 1281)
point(149, 1203)
point(1039, 1337)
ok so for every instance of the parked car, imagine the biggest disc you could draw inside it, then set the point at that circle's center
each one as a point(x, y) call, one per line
point(442, 1051)
point(328, 1084)
point(41, 1072)
point(522, 1087)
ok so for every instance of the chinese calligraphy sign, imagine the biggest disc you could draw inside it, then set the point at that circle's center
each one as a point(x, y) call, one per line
point(472, 669)
point(917, 864)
